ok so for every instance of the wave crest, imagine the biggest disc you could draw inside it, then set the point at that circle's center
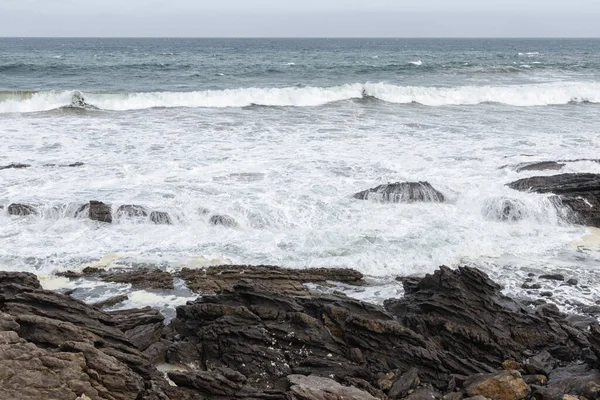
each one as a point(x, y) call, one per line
point(515, 95)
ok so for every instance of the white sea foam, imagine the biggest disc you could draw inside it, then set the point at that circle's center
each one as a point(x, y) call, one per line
point(515, 95)
point(417, 63)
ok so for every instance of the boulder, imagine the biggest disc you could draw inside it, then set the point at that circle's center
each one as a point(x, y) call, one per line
point(505, 385)
point(22, 210)
point(404, 383)
point(578, 193)
point(160, 218)
point(318, 388)
point(402, 192)
point(224, 220)
point(96, 211)
point(139, 278)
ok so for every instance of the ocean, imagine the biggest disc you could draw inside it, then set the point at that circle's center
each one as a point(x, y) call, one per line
point(279, 134)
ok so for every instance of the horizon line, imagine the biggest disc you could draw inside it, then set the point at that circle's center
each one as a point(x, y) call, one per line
point(304, 37)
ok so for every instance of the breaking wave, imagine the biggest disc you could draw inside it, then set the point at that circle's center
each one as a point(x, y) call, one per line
point(514, 95)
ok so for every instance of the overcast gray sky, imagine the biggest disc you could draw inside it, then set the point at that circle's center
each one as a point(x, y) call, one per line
point(313, 18)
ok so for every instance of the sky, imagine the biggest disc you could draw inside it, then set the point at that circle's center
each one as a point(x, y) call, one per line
point(305, 18)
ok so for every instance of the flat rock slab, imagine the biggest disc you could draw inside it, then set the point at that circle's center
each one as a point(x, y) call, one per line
point(283, 280)
point(142, 278)
point(402, 192)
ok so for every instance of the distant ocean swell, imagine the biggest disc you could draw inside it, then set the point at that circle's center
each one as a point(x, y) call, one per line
point(514, 95)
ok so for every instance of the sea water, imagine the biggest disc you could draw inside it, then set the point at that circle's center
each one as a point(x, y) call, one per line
point(279, 134)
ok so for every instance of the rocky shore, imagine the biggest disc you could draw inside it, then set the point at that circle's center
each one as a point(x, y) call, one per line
point(259, 333)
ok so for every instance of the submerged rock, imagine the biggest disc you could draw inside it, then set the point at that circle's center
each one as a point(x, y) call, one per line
point(402, 192)
point(15, 166)
point(131, 211)
point(160, 218)
point(22, 210)
point(96, 211)
point(540, 166)
point(224, 220)
point(504, 209)
point(579, 193)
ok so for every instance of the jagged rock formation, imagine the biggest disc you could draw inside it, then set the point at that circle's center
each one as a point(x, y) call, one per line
point(448, 337)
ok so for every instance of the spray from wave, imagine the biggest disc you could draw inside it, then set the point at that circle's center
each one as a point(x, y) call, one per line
point(514, 95)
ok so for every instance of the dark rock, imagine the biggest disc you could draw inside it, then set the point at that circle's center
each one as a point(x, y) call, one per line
point(100, 212)
point(131, 211)
point(425, 393)
point(404, 383)
point(553, 277)
point(533, 286)
point(541, 364)
point(535, 303)
point(546, 294)
point(289, 281)
point(160, 218)
point(141, 278)
point(468, 315)
point(540, 166)
point(113, 301)
point(223, 383)
point(22, 210)
point(402, 192)
point(574, 380)
point(548, 310)
point(15, 166)
point(145, 278)
point(573, 282)
point(579, 193)
point(224, 220)
point(505, 385)
point(409, 283)
point(142, 326)
point(76, 164)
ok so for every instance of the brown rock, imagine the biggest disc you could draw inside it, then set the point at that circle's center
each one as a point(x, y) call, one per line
point(317, 388)
point(511, 364)
point(288, 281)
point(505, 385)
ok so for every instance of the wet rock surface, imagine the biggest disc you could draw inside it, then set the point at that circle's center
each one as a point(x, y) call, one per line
point(141, 278)
point(288, 281)
point(22, 210)
point(452, 336)
point(402, 192)
point(579, 193)
point(14, 166)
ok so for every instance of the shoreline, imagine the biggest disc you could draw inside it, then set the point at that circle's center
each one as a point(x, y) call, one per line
point(261, 334)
